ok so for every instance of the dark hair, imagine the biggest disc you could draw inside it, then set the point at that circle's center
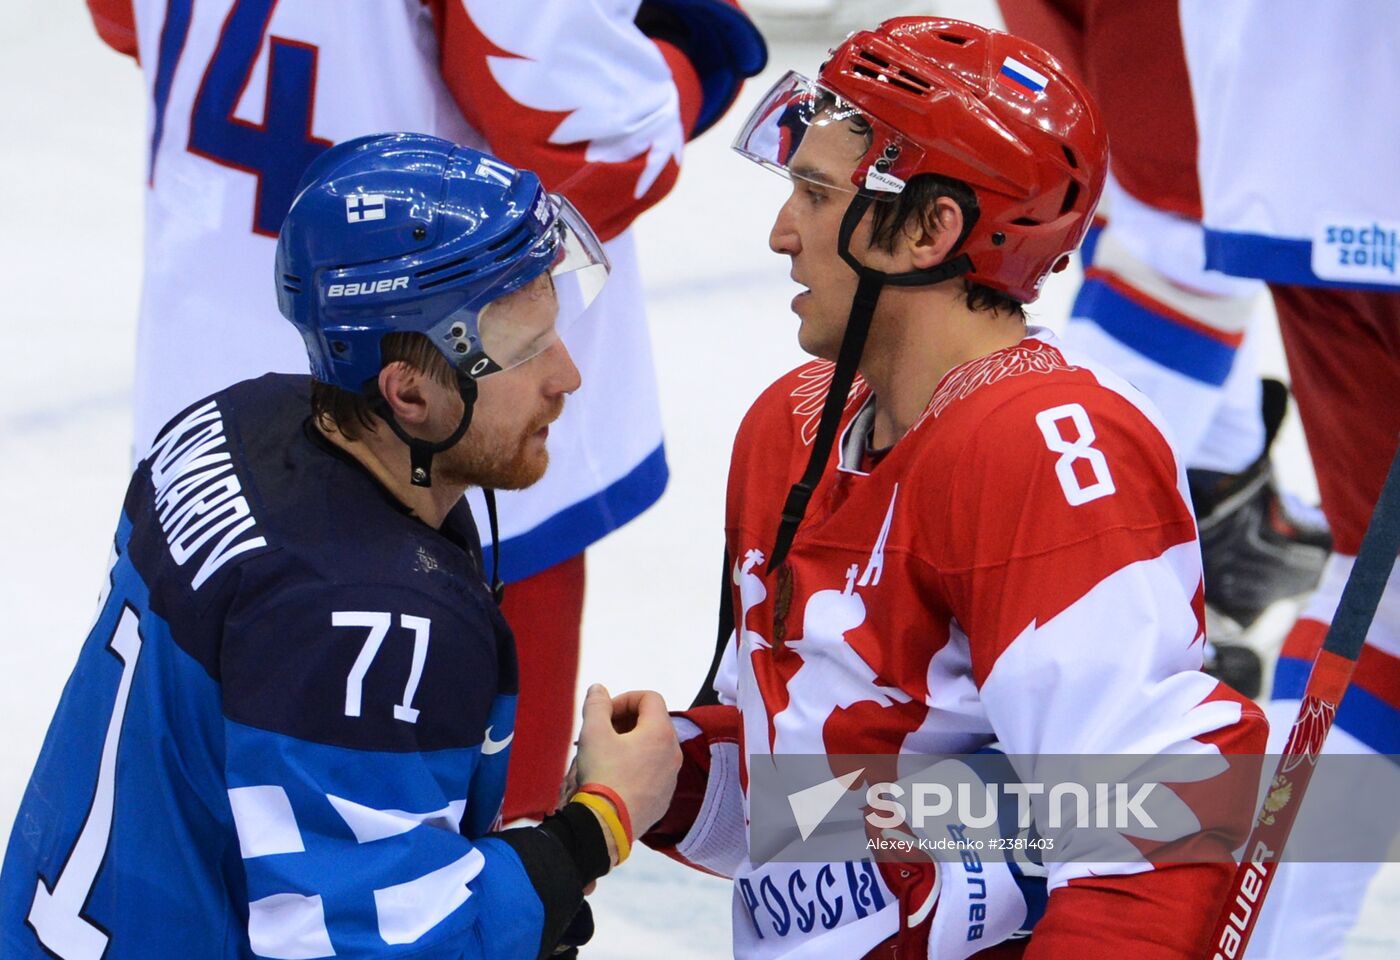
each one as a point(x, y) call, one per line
point(916, 201)
point(350, 413)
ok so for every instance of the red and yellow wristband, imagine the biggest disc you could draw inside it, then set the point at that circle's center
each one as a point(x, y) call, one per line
point(611, 809)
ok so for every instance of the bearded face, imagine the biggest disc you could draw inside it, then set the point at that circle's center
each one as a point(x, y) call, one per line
point(505, 446)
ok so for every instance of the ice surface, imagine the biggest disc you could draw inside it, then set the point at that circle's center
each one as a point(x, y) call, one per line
point(72, 170)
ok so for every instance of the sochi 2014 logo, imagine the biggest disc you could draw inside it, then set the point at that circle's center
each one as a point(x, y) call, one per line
point(1356, 251)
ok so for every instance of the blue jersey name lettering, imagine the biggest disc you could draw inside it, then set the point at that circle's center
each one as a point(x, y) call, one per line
point(198, 496)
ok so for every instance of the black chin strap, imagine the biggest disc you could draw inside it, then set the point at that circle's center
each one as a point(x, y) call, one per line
point(421, 452)
point(852, 346)
point(498, 589)
point(420, 461)
point(847, 361)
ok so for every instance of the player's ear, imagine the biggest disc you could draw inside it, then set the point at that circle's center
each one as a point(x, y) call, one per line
point(931, 237)
point(402, 387)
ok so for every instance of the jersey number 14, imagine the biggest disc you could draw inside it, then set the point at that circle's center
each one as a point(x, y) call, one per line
point(276, 151)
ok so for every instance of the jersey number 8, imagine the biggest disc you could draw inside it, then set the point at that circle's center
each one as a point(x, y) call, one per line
point(1073, 451)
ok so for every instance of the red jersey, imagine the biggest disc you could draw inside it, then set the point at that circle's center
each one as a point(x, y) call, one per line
point(1022, 567)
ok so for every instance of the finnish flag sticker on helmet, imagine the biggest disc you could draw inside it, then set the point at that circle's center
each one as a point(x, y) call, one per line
point(360, 207)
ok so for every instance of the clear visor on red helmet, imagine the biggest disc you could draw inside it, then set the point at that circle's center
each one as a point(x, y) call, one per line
point(549, 290)
point(804, 130)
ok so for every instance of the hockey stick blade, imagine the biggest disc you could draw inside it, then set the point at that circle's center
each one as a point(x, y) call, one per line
point(1327, 684)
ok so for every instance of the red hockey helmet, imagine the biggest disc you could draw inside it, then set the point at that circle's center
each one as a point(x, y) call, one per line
point(962, 101)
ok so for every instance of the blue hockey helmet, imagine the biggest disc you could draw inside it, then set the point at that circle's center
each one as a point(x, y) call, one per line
point(407, 233)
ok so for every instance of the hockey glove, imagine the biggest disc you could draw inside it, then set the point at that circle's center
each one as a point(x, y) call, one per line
point(720, 41)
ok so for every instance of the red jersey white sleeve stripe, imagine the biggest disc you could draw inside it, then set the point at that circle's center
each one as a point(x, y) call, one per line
point(1075, 572)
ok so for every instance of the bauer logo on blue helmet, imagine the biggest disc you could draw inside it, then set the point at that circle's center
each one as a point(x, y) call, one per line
point(366, 288)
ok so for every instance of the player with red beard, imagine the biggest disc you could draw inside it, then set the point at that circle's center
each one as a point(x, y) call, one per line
point(599, 98)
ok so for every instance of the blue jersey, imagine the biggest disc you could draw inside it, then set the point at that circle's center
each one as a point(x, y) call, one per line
point(287, 733)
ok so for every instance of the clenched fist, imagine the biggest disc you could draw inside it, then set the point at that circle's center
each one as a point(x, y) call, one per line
point(629, 744)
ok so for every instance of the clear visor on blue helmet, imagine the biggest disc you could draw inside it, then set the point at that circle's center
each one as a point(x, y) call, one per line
point(547, 291)
point(806, 131)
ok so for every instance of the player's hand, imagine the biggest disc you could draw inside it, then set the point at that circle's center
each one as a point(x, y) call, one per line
point(628, 743)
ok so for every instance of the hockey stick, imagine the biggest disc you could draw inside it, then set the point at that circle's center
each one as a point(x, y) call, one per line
point(1327, 684)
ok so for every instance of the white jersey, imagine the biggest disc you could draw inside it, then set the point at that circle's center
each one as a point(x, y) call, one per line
point(244, 94)
point(1298, 111)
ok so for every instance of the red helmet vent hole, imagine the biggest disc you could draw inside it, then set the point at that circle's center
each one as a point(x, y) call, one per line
point(1071, 198)
point(894, 81)
point(891, 74)
point(1070, 157)
point(952, 38)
